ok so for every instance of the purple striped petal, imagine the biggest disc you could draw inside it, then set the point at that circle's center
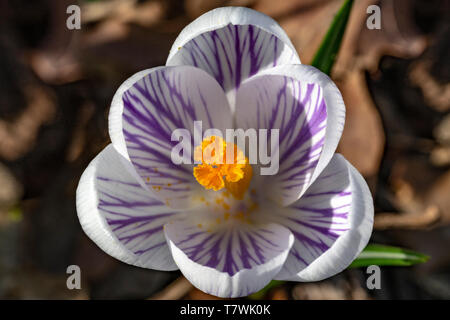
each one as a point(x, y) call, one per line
point(335, 116)
point(151, 108)
point(122, 217)
point(232, 261)
point(298, 110)
point(232, 44)
point(332, 223)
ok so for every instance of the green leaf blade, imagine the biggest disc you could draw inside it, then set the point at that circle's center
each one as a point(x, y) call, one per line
point(381, 255)
point(329, 48)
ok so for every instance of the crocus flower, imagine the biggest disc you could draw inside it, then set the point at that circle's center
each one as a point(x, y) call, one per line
point(230, 230)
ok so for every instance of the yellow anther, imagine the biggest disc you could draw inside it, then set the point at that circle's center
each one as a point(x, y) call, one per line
point(223, 164)
point(209, 177)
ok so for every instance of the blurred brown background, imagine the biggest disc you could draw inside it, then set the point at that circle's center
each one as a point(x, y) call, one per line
point(56, 86)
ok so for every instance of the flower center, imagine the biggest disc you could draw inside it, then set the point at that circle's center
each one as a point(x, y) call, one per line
point(223, 165)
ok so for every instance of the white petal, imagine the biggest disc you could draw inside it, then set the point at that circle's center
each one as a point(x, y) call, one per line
point(116, 112)
point(115, 122)
point(297, 109)
point(332, 223)
point(120, 216)
point(232, 44)
point(334, 105)
point(146, 112)
point(233, 261)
